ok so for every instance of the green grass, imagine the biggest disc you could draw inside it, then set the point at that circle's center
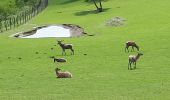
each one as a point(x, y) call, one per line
point(102, 74)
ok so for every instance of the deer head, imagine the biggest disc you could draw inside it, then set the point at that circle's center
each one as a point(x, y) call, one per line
point(140, 54)
point(137, 47)
point(57, 69)
point(60, 41)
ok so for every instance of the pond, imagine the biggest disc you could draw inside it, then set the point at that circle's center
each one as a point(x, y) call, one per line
point(63, 30)
point(50, 31)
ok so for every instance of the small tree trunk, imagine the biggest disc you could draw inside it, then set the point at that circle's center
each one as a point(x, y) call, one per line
point(1, 26)
point(101, 8)
point(6, 24)
point(95, 4)
point(10, 23)
point(14, 21)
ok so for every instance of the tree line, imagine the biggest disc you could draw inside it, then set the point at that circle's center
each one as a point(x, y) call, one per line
point(17, 12)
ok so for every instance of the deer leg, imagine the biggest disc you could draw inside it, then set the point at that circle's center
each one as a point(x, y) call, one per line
point(63, 52)
point(135, 65)
point(132, 48)
point(137, 48)
point(72, 51)
point(127, 48)
point(129, 65)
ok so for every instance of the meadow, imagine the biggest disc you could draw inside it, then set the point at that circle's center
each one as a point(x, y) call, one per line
point(103, 73)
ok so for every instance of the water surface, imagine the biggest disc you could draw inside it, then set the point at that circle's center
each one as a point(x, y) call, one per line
point(51, 31)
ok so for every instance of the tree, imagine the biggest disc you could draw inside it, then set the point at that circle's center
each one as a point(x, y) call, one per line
point(98, 7)
point(22, 3)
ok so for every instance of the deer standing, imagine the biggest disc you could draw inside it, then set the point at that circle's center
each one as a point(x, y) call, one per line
point(66, 46)
point(133, 59)
point(132, 44)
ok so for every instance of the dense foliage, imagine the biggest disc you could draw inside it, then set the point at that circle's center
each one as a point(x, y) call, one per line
point(11, 7)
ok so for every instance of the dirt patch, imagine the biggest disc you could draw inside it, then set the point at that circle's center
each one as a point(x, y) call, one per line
point(116, 21)
point(75, 30)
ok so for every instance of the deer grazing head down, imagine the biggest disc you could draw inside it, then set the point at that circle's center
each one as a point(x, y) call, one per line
point(132, 44)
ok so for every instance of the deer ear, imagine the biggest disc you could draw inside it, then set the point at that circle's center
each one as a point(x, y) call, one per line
point(59, 40)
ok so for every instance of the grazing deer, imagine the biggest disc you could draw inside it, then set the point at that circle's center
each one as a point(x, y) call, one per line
point(133, 59)
point(66, 46)
point(132, 44)
point(60, 74)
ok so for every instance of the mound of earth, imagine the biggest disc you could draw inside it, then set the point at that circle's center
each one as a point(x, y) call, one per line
point(116, 21)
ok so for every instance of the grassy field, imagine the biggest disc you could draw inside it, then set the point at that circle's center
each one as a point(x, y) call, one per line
point(102, 74)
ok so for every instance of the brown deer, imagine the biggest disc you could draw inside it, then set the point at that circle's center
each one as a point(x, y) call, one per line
point(66, 46)
point(60, 74)
point(133, 59)
point(132, 44)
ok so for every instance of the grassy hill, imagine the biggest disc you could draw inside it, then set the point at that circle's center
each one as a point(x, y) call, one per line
point(100, 75)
